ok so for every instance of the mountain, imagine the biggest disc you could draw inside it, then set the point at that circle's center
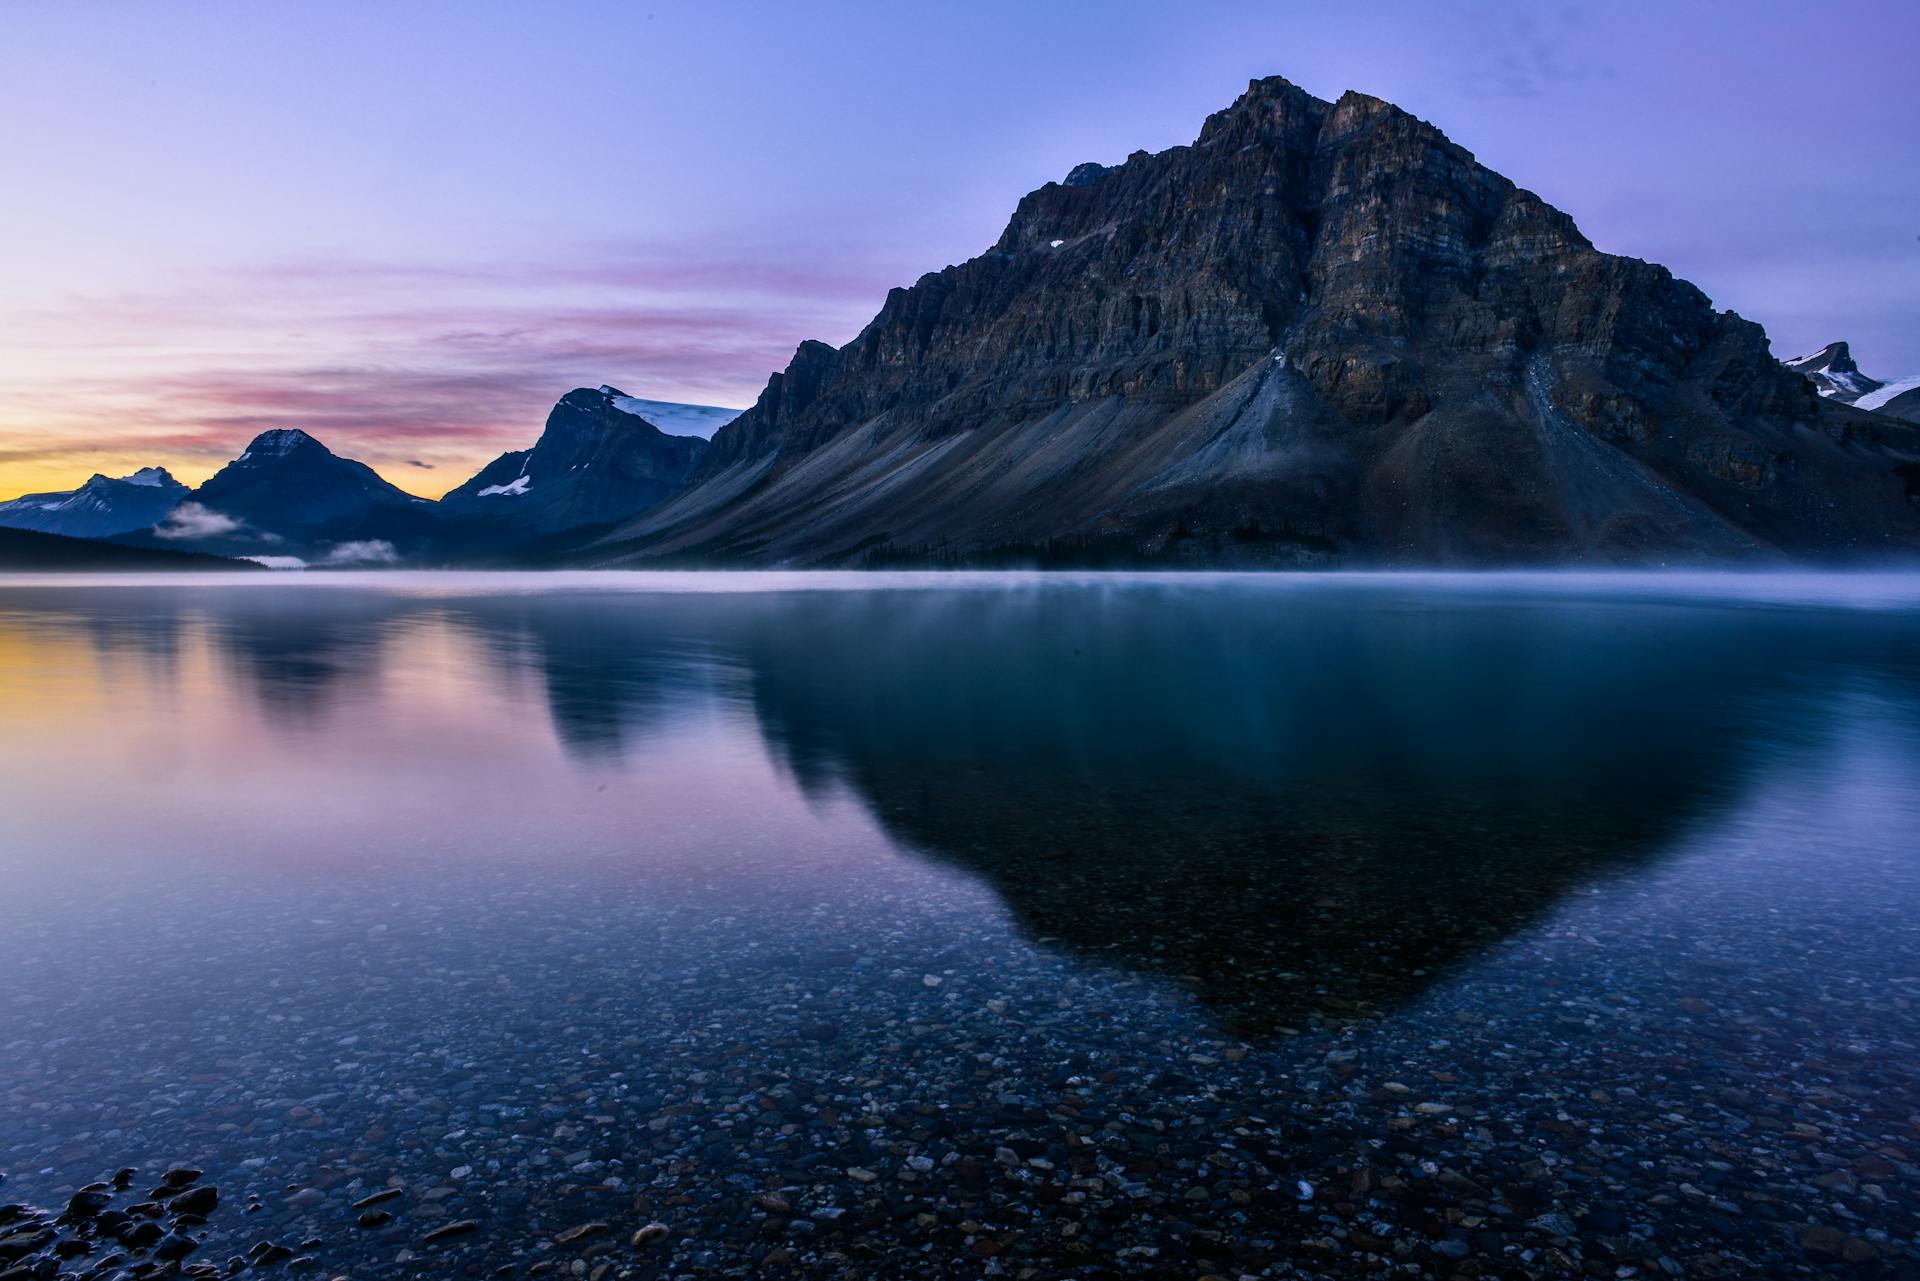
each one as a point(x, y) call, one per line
point(1832, 372)
point(289, 496)
point(598, 460)
point(285, 477)
point(32, 550)
point(1322, 333)
point(101, 508)
point(1896, 400)
point(1834, 375)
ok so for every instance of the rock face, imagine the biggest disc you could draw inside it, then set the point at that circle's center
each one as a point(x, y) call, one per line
point(101, 508)
point(597, 461)
point(1321, 333)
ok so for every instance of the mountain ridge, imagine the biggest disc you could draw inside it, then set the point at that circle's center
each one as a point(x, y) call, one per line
point(101, 507)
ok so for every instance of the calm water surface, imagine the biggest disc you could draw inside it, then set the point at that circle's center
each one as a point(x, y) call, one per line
point(903, 926)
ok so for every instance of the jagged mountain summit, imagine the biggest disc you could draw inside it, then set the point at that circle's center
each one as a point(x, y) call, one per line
point(1833, 373)
point(599, 459)
point(101, 508)
point(1320, 334)
point(1836, 377)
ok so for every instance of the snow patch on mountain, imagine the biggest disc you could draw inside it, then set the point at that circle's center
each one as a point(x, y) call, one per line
point(518, 485)
point(1845, 384)
point(1875, 399)
point(671, 417)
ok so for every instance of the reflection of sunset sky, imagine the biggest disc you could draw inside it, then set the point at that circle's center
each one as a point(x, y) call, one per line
point(420, 738)
point(410, 230)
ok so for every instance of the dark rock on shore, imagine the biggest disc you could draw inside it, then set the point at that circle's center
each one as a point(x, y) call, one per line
point(92, 1238)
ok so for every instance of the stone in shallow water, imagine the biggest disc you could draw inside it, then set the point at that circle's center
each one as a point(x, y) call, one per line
point(457, 1228)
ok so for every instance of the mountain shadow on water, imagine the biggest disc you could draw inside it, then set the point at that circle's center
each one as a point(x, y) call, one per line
point(1299, 808)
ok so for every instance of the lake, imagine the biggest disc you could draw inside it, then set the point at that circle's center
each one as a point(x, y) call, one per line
point(960, 925)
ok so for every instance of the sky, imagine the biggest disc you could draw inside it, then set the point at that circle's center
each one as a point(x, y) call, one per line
point(410, 228)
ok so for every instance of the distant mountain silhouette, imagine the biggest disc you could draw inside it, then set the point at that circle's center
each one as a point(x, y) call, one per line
point(30, 550)
point(102, 507)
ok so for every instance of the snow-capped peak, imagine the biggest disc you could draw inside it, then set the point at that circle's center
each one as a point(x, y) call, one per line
point(1834, 373)
point(150, 476)
point(1833, 354)
point(277, 442)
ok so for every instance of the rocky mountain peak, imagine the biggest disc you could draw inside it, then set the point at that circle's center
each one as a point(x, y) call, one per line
point(1834, 374)
point(280, 442)
point(158, 478)
point(287, 482)
point(1835, 357)
point(1323, 325)
point(599, 457)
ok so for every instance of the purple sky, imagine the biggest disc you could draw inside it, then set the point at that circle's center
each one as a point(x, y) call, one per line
point(410, 228)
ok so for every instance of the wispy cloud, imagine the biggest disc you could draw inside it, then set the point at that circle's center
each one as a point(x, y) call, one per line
point(1528, 51)
point(370, 551)
point(191, 520)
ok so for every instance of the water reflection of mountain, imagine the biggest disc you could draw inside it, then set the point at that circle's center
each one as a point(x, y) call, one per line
point(616, 669)
point(1299, 804)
